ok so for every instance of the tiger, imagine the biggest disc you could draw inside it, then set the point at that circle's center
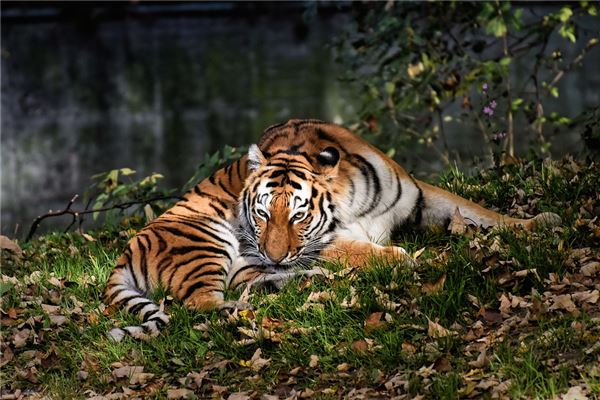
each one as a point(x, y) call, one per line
point(308, 191)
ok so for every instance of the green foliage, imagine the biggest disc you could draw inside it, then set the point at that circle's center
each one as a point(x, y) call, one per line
point(112, 191)
point(421, 66)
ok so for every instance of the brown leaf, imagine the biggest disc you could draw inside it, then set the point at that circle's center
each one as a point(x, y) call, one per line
point(7, 356)
point(219, 389)
point(7, 244)
point(481, 359)
point(88, 237)
point(436, 330)
point(591, 268)
point(21, 337)
point(436, 287)
point(181, 394)
point(127, 371)
point(408, 348)
point(587, 296)
point(50, 309)
point(458, 224)
point(374, 322)
point(563, 302)
point(314, 361)
point(442, 364)
point(57, 320)
point(360, 346)
point(343, 367)
point(575, 393)
point(493, 317)
point(239, 396)
point(257, 362)
point(270, 323)
point(55, 282)
point(12, 313)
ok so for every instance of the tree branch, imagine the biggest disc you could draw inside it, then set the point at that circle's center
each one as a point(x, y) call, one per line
point(77, 214)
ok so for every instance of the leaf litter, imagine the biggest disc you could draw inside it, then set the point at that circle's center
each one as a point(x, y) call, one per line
point(546, 308)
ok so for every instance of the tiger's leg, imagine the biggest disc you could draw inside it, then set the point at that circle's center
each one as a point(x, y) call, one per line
point(437, 206)
point(201, 283)
point(360, 253)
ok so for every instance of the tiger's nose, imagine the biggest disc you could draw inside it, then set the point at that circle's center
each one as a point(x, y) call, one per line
point(276, 258)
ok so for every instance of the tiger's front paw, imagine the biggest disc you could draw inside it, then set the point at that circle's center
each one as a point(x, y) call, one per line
point(401, 255)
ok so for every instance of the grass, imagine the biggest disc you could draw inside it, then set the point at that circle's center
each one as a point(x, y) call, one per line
point(371, 331)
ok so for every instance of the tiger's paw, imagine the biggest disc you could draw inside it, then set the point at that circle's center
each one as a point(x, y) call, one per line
point(397, 254)
point(235, 305)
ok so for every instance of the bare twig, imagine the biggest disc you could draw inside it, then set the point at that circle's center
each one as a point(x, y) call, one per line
point(589, 45)
point(77, 214)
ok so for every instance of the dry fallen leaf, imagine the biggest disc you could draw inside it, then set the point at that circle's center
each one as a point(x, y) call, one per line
point(435, 287)
point(256, 363)
point(575, 393)
point(590, 269)
point(374, 322)
point(343, 367)
point(458, 224)
point(314, 361)
point(587, 296)
point(20, 338)
point(180, 394)
point(563, 302)
point(436, 330)
point(7, 244)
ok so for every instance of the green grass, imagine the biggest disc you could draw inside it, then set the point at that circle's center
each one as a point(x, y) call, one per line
point(533, 351)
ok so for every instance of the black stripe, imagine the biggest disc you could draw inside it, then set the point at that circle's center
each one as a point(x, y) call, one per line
point(114, 295)
point(188, 249)
point(240, 270)
point(219, 212)
point(148, 314)
point(186, 207)
point(129, 298)
point(369, 173)
point(238, 169)
point(135, 309)
point(299, 174)
point(396, 198)
point(162, 266)
point(191, 289)
point(190, 235)
point(191, 275)
point(233, 196)
point(419, 206)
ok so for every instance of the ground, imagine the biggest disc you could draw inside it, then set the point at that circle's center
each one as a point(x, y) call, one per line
point(484, 314)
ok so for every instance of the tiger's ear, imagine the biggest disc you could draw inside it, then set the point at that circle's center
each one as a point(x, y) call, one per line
point(255, 158)
point(328, 161)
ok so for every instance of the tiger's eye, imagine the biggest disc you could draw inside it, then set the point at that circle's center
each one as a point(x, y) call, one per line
point(262, 214)
point(298, 216)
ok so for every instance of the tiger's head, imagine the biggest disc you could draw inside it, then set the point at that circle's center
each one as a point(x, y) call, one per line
point(287, 211)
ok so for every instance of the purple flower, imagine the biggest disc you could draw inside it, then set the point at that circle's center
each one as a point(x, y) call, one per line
point(493, 104)
point(488, 111)
point(498, 136)
point(485, 87)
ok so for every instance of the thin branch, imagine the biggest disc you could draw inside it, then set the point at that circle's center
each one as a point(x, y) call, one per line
point(589, 45)
point(77, 214)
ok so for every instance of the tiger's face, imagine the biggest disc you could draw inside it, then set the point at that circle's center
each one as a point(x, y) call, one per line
point(287, 212)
